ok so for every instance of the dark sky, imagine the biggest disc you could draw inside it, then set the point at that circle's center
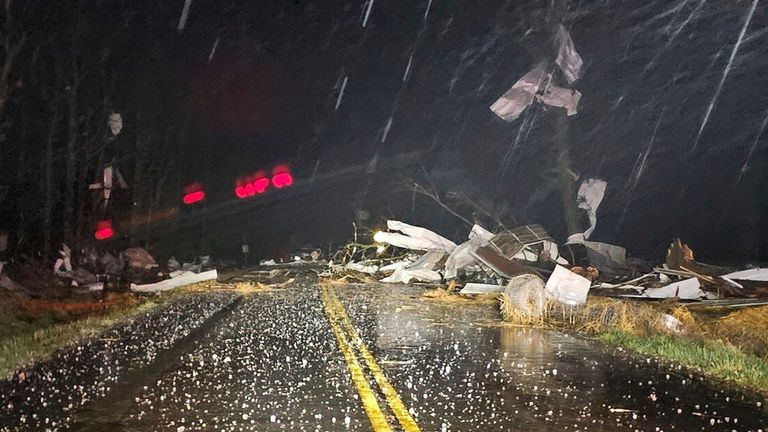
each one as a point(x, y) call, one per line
point(651, 71)
point(270, 90)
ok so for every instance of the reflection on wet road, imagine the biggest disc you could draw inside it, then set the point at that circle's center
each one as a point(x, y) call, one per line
point(365, 358)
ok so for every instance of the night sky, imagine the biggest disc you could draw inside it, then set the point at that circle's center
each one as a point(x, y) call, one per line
point(267, 95)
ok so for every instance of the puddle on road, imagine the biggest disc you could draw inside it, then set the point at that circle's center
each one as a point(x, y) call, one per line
point(458, 374)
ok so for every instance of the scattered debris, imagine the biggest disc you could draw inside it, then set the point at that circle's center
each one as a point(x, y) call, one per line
point(568, 59)
point(139, 259)
point(688, 289)
point(567, 287)
point(413, 237)
point(521, 95)
point(478, 288)
point(179, 278)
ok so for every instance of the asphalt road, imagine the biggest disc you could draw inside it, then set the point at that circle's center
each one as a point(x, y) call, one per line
point(381, 358)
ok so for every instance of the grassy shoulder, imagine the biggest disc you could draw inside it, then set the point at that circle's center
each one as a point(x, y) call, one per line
point(713, 358)
point(729, 345)
point(32, 330)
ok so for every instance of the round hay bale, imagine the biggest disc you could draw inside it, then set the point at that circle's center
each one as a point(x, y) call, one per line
point(524, 298)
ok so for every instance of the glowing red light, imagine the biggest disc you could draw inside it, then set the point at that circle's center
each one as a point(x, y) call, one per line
point(281, 180)
point(260, 185)
point(104, 230)
point(249, 190)
point(240, 192)
point(194, 197)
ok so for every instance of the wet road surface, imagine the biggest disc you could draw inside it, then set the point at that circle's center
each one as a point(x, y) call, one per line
point(372, 358)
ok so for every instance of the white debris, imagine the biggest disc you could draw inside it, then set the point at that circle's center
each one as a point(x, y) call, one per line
point(521, 95)
point(567, 287)
point(560, 97)
point(413, 237)
point(755, 274)
point(672, 323)
point(184, 278)
point(590, 195)
point(407, 275)
point(479, 288)
point(362, 268)
point(568, 59)
point(461, 256)
point(688, 289)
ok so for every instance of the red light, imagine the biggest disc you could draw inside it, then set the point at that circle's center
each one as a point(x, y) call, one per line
point(260, 185)
point(194, 197)
point(282, 180)
point(249, 190)
point(104, 230)
point(240, 192)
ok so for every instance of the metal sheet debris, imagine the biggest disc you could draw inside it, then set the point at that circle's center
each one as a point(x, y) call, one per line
point(755, 274)
point(560, 97)
point(404, 275)
point(569, 61)
point(688, 289)
point(479, 288)
point(567, 287)
point(413, 237)
point(521, 95)
point(461, 257)
point(589, 197)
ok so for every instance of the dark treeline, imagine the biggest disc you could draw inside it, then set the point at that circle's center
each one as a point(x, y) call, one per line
point(66, 67)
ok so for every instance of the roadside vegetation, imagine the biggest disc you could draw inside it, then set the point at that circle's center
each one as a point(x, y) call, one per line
point(32, 330)
point(725, 344)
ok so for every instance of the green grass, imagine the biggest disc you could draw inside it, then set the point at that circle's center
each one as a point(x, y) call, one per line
point(29, 337)
point(713, 358)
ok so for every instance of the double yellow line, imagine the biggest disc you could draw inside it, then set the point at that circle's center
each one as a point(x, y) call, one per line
point(349, 342)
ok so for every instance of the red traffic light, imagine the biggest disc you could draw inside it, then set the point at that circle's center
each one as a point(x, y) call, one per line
point(104, 230)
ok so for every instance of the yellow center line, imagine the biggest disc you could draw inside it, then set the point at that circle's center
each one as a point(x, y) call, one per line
point(368, 398)
point(393, 399)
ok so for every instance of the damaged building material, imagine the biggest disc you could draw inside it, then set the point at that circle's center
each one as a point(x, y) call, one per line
point(413, 237)
point(479, 288)
point(521, 95)
point(569, 61)
point(139, 259)
point(567, 287)
point(688, 289)
point(528, 243)
point(461, 257)
point(560, 97)
point(181, 278)
point(422, 270)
